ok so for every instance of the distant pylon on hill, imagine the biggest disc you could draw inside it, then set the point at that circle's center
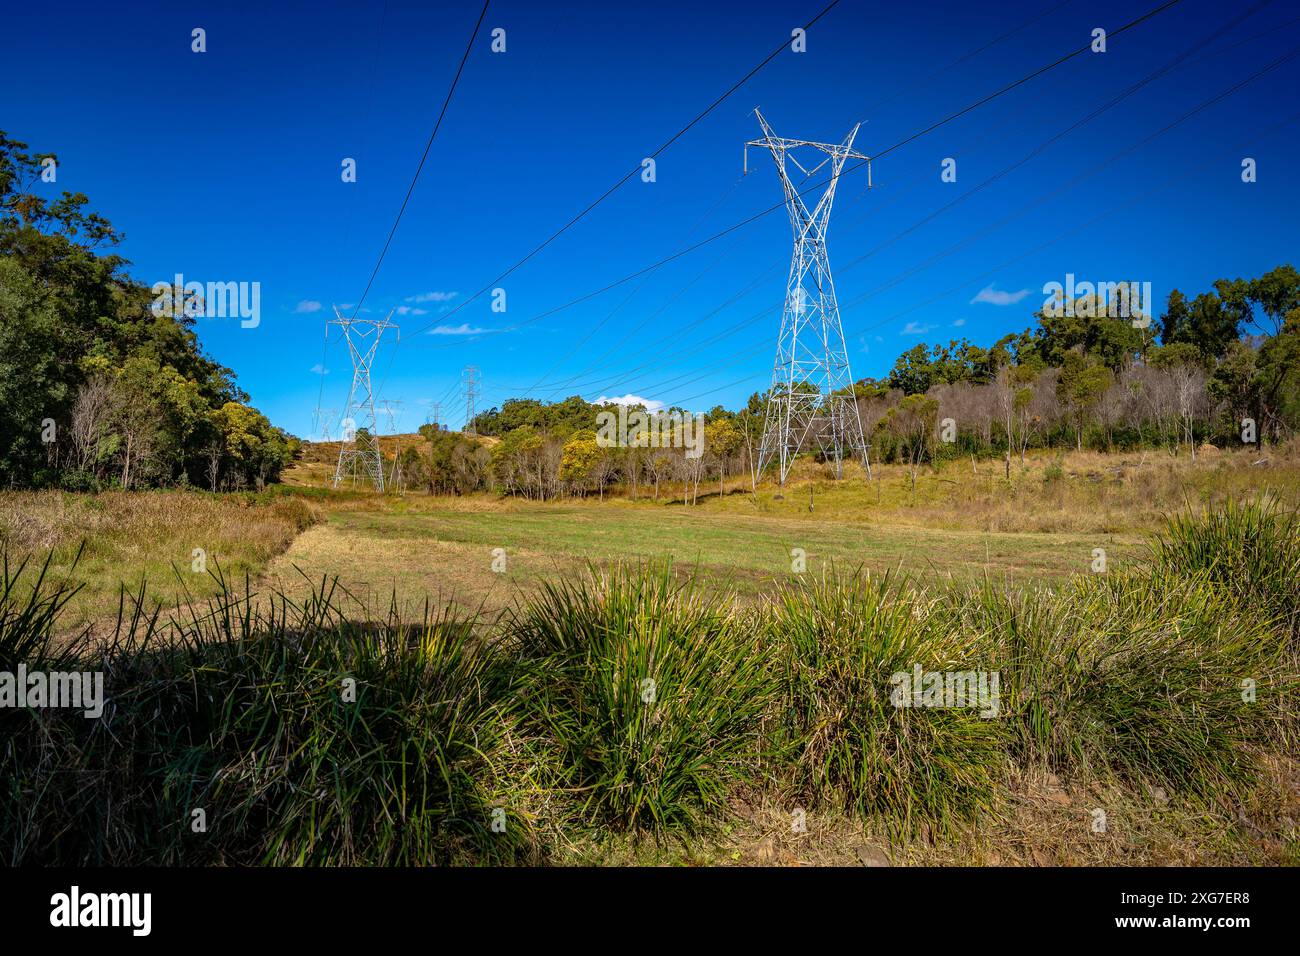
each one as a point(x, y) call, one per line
point(324, 420)
point(359, 451)
point(471, 380)
point(811, 401)
point(393, 409)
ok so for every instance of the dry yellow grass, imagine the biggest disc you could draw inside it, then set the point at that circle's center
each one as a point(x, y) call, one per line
point(1074, 492)
point(125, 538)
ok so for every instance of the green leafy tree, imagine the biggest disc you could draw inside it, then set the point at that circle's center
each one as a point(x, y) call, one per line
point(1207, 324)
point(1109, 340)
point(722, 441)
point(79, 339)
point(913, 372)
point(1277, 293)
point(1080, 387)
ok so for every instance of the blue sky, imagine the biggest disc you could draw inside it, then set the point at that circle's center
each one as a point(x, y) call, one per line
point(225, 166)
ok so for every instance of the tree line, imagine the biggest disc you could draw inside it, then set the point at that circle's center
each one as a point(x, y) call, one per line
point(1221, 367)
point(96, 388)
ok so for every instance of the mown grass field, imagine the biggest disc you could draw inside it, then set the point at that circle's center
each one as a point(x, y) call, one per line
point(963, 522)
point(417, 547)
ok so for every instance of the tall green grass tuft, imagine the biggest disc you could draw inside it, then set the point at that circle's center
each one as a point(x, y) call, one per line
point(840, 639)
point(652, 692)
point(1249, 549)
point(246, 713)
point(1138, 676)
point(31, 603)
point(301, 774)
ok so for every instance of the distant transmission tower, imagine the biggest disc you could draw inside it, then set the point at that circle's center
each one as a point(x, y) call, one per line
point(393, 410)
point(811, 401)
point(471, 380)
point(359, 453)
point(324, 416)
point(435, 416)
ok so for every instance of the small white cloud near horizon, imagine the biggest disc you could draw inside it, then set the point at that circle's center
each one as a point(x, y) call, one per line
point(959, 323)
point(319, 369)
point(651, 405)
point(913, 328)
point(463, 329)
point(432, 297)
point(998, 296)
point(307, 305)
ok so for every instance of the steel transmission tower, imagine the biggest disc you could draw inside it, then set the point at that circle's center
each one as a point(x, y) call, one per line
point(811, 401)
point(324, 419)
point(393, 409)
point(359, 453)
point(470, 377)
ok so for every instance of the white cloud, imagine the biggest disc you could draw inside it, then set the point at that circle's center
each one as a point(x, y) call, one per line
point(409, 310)
point(432, 297)
point(913, 328)
point(319, 369)
point(998, 297)
point(307, 305)
point(463, 329)
point(959, 323)
point(651, 405)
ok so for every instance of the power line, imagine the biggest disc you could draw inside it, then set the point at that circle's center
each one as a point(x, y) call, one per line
point(816, 186)
point(599, 325)
point(573, 381)
point(608, 192)
point(565, 383)
point(966, 283)
point(427, 146)
point(351, 216)
point(962, 59)
point(1179, 60)
point(914, 270)
point(637, 168)
point(1011, 86)
point(460, 69)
